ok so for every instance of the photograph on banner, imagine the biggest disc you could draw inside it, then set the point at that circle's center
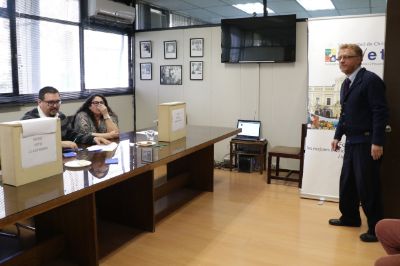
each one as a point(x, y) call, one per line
point(325, 77)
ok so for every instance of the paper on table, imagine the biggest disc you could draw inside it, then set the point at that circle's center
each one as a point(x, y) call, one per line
point(110, 147)
point(144, 132)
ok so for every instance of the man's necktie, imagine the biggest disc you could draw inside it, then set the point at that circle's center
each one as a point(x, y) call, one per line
point(346, 85)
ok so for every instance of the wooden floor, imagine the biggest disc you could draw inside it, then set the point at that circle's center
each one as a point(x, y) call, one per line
point(248, 222)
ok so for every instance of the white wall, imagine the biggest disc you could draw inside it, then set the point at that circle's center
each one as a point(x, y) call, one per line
point(274, 93)
point(121, 105)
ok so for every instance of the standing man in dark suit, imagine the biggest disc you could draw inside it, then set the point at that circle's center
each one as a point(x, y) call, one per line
point(363, 120)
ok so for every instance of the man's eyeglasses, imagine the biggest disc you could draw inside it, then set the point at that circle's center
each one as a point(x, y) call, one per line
point(97, 102)
point(346, 57)
point(52, 103)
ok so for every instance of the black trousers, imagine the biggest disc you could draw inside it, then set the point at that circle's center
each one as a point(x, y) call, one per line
point(360, 182)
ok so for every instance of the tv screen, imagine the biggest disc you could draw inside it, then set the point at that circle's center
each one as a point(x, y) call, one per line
point(259, 39)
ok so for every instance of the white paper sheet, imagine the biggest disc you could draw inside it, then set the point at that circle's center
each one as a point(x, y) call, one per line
point(38, 126)
point(178, 119)
point(38, 149)
point(110, 147)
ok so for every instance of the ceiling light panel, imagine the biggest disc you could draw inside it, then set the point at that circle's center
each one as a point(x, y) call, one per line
point(251, 8)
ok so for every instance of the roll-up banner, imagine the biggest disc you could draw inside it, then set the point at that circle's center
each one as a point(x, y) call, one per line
point(321, 165)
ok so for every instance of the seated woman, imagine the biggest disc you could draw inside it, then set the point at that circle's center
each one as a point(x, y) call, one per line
point(97, 118)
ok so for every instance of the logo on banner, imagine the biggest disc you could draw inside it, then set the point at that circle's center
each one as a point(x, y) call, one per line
point(373, 53)
point(330, 54)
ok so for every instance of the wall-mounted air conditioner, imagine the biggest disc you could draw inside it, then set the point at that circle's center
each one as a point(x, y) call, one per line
point(111, 11)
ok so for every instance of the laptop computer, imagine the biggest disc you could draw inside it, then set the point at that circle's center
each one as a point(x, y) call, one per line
point(251, 130)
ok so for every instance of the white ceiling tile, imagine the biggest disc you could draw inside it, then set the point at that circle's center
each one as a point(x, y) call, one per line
point(205, 3)
point(202, 14)
point(323, 13)
point(379, 3)
point(353, 11)
point(212, 11)
point(285, 6)
point(347, 4)
point(173, 4)
point(299, 15)
point(228, 11)
point(234, 2)
point(378, 10)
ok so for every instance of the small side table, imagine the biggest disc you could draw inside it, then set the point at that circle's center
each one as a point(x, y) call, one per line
point(256, 148)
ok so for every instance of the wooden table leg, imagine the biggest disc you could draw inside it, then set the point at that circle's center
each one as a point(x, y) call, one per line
point(76, 221)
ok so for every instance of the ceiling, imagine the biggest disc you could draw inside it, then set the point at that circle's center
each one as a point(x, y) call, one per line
point(212, 11)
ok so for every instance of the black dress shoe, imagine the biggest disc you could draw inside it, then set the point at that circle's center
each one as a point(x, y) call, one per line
point(338, 222)
point(368, 237)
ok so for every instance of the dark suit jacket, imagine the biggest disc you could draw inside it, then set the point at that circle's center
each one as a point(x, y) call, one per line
point(364, 112)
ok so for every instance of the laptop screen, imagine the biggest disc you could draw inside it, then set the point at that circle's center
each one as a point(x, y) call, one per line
point(250, 128)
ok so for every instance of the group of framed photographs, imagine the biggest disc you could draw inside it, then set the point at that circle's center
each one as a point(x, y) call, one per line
point(172, 74)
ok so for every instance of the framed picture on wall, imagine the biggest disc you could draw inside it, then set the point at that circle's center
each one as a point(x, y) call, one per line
point(196, 70)
point(145, 49)
point(196, 47)
point(170, 50)
point(146, 71)
point(171, 75)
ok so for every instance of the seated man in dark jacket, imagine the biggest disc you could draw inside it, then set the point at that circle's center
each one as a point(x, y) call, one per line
point(48, 106)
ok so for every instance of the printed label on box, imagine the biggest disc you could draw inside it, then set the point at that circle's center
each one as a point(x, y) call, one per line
point(178, 119)
point(38, 149)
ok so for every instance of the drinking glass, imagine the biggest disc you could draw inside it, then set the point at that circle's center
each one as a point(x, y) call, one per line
point(150, 135)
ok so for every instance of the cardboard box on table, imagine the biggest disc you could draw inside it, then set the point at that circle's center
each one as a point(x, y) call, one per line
point(22, 163)
point(171, 121)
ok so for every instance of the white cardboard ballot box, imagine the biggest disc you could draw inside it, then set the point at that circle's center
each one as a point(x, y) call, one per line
point(30, 150)
point(171, 121)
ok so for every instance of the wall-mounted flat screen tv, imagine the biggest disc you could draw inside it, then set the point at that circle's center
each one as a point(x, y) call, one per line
point(259, 39)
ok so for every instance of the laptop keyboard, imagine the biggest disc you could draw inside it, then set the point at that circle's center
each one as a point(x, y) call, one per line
point(245, 138)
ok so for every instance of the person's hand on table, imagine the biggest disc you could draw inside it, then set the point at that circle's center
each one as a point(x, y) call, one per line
point(101, 140)
point(112, 135)
point(69, 145)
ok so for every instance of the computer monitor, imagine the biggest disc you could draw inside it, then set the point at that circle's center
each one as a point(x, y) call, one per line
point(250, 128)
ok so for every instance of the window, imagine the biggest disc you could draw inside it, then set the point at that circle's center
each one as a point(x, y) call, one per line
point(67, 10)
point(5, 57)
point(328, 101)
point(106, 60)
point(48, 55)
point(49, 42)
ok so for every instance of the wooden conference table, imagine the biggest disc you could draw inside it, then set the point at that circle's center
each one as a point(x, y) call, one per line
point(66, 208)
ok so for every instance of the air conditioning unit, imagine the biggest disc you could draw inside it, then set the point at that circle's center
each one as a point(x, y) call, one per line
point(111, 11)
